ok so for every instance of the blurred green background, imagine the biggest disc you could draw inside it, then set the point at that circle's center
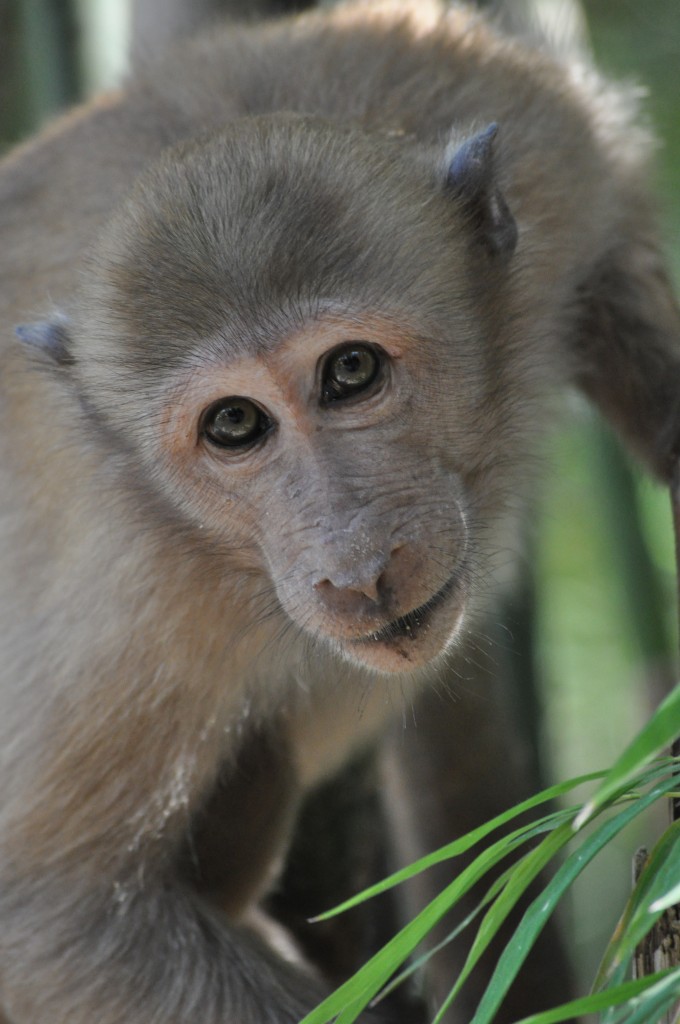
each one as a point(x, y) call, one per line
point(599, 558)
point(606, 601)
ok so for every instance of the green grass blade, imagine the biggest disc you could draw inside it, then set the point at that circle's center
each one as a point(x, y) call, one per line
point(418, 963)
point(659, 732)
point(653, 1006)
point(537, 914)
point(650, 897)
point(463, 844)
point(370, 978)
point(499, 883)
point(353, 1010)
point(527, 870)
point(626, 993)
point(351, 997)
point(668, 900)
point(545, 824)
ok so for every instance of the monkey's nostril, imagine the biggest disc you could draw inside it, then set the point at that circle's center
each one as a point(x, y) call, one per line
point(368, 585)
point(350, 594)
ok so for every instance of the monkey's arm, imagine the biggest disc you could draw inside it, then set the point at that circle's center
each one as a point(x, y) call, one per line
point(99, 900)
point(111, 745)
point(627, 350)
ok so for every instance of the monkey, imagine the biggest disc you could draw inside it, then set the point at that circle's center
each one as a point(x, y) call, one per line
point(284, 323)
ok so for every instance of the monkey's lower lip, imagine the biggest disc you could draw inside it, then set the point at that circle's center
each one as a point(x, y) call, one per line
point(409, 626)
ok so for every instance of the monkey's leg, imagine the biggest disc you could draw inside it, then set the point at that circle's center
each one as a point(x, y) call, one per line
point(457, 763)
point(336, 851)
point(161, 956)
point(136, 938)
point(339, 848)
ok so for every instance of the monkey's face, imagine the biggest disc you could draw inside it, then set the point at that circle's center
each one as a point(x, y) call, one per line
point(286, 328)
point(326, 464)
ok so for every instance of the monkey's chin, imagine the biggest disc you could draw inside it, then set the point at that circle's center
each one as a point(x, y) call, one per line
point(415, 639)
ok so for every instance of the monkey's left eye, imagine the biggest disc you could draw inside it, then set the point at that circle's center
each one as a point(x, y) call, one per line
point(234, 422)
point(348, 370)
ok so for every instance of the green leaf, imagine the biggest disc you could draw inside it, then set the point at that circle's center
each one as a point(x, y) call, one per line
point(669, 899)
point(461, 845)
point(659, 732)
point(666, 983)
point(536, 915)
point(370, 978)
point(419, 962)
point(527, 870)
point(546, 824)
point(349, 999)
point(653, 1005)
point(649, 899)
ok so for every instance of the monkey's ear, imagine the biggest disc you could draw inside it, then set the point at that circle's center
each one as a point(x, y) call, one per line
point(49, 337)
point(470, 176)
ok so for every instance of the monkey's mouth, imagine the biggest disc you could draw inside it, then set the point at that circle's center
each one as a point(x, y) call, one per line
point(411, 625)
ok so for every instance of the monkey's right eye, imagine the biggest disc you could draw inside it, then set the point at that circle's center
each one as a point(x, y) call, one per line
point(234, 422)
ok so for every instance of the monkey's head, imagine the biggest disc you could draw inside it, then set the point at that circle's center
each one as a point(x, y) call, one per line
point(295, 327)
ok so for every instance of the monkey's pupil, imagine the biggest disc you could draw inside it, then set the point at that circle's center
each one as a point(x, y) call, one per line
point(353, 368)
point(234, 414)
point(351, 363)
point(350, 370)
point(233, 422)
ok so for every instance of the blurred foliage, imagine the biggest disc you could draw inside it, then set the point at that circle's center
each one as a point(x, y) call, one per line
point(52, 52)
point(39, 57)
point(606, 606)
point(641, 42)
point(637, 781)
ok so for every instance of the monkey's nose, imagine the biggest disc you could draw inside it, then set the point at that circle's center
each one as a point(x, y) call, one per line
point(348, 599)
point(359, 591)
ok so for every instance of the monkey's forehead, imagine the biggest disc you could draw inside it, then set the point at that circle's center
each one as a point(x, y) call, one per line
point(265, 222)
